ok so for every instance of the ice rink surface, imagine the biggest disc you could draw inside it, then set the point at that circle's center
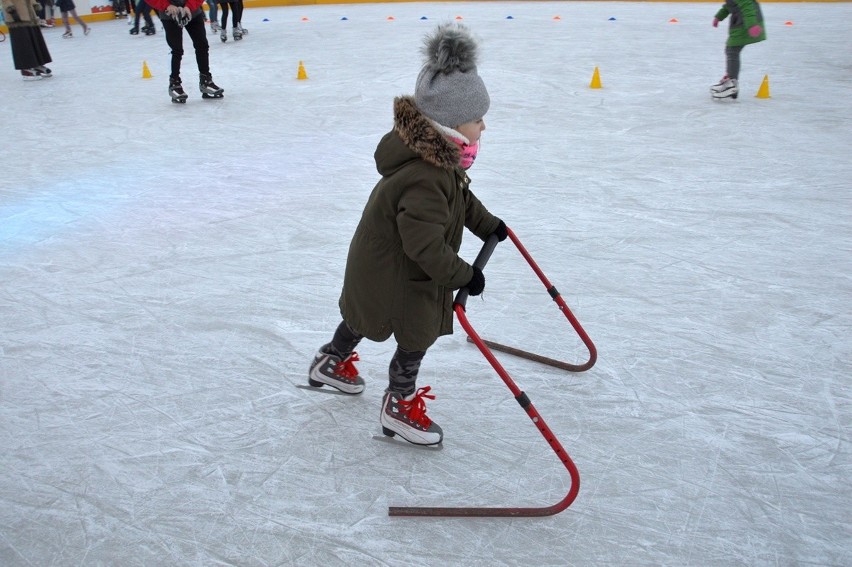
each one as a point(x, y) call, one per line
point(167, 273)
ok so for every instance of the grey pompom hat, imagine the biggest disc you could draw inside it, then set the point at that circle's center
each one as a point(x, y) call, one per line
point(449, 90)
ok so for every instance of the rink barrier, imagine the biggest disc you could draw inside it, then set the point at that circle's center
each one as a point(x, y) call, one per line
point(105, 13)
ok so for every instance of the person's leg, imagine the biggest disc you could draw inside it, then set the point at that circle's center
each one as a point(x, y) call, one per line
point(49, 13)
point(136, 16)
point(403, 370)
point(404, 406)
point(732, 60)
point(238, 13)
point(146, 13)
point(197, 33)
point(224, 15)
point(174, 39)
point(79, 21)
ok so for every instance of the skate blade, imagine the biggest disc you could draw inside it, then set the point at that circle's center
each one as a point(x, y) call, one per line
point(330, 390)
point(205, 95)
point(403, 444)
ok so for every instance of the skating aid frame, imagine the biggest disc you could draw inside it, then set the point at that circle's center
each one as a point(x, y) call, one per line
point(551, 289)
point(522, 399)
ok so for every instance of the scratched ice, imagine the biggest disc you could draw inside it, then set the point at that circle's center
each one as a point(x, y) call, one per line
point(166, 273)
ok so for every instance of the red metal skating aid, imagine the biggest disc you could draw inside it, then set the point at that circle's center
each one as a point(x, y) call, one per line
point(521, 397)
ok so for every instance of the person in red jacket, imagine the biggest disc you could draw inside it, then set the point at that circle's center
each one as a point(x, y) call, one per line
point(177, 15)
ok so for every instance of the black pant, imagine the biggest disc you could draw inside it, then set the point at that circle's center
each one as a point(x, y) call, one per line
point(143, 10)
point(238, 13)
point(197, 33)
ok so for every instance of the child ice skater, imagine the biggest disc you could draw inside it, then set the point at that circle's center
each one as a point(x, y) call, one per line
point(746, 26)
point(177, 15)
point(67, 7)
point(403, 263)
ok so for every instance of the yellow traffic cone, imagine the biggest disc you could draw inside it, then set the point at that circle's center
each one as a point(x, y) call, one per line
point(763, 91)
point(146, 73)
point(301, 75)
point(596, 80)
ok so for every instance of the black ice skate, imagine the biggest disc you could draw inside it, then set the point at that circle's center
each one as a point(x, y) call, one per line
point(176, 91)
point(149, 30)
point(134, 30)
point(208, 87)
point(31, 75)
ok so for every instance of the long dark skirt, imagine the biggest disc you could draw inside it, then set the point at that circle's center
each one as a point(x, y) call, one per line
point(28, 47)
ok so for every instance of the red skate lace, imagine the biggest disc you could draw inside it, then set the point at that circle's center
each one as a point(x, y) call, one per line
point(416, 407)
point(346, 367)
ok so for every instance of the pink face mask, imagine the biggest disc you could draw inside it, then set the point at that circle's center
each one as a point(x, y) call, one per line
point(468, 153)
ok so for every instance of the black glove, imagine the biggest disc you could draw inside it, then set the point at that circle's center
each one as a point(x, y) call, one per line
point(501, 231)
point(476, 283)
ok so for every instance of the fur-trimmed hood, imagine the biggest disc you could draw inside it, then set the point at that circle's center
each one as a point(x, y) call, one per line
point(416, 137)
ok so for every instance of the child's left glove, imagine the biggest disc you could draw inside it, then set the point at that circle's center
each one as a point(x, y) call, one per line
point(755, 31)
point(476, 283)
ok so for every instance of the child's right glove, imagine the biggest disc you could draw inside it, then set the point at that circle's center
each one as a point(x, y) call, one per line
point(501, 231)
point(476, 283)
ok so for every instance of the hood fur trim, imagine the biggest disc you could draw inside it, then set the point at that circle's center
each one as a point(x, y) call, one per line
point(421, 135)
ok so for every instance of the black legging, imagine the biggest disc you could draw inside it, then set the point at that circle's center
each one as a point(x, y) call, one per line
point(197, 32)
point(238, 13)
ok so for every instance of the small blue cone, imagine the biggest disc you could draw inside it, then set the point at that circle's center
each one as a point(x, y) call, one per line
point(612, 18)
point(509, 18)
point(423, 18)
point(343, 19)
point(265, 19)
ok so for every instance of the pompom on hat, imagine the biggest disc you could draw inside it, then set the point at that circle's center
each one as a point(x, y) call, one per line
point(449, 90)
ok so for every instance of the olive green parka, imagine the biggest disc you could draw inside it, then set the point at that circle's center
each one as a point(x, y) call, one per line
point(403, 262)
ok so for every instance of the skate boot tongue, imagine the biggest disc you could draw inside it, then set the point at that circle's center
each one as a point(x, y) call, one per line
point(415, 407)
point(346, 367)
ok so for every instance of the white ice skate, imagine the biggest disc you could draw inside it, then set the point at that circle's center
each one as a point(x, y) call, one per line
point(329, 370)
point(725, 88)
point(406, 417)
